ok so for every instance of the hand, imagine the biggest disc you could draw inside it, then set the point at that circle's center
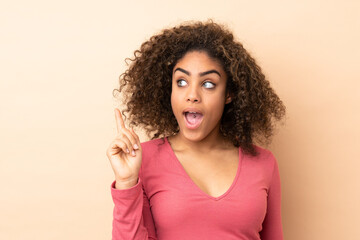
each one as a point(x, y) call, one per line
point(125, 154)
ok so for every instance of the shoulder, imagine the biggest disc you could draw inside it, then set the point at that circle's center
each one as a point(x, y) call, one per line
point(155, 154)
point(264, 159)
point(153, 145)
point(262, 166)
point(155, 148)
point(264, 154)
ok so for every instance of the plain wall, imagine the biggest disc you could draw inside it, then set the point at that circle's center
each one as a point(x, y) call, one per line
point(61, 60)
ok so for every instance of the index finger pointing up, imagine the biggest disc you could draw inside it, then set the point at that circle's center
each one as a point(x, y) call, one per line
point(119, 121)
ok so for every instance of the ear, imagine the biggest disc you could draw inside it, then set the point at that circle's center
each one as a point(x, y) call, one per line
point(228, 98)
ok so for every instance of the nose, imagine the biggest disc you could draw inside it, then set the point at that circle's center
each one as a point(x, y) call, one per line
point(193, 95)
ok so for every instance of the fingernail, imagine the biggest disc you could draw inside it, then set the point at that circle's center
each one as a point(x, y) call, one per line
point(127, 150)
point(133, 152)
point(136, 146)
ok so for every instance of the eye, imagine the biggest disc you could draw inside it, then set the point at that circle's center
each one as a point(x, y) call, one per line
point(181, 82)
point(209, 85)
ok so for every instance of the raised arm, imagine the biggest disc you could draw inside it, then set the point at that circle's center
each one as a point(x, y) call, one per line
point(132, 218)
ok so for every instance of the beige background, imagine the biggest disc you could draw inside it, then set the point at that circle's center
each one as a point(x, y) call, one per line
point(60, 61)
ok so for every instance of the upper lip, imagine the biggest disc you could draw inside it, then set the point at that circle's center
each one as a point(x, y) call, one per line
point(191, 109)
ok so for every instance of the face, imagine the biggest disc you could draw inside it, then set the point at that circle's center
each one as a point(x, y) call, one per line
point(198, 95)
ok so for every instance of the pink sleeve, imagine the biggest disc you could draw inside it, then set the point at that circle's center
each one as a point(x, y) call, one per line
point(132, 218)
point(272, 226)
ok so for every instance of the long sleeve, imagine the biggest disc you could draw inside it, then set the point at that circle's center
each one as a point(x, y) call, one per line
point(272, 226)
point(132, 218)
point(166, 204)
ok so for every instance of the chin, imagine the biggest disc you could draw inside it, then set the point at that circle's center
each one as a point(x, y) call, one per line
point(193, 136)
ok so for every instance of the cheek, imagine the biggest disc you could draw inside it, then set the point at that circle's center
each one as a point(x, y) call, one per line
point(217, 104)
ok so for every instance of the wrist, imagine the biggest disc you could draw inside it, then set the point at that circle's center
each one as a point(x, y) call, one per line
point(124, 184)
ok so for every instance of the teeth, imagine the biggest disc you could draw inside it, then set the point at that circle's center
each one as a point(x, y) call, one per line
point(190, 112)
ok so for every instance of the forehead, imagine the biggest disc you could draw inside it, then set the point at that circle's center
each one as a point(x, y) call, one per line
point(198, 60)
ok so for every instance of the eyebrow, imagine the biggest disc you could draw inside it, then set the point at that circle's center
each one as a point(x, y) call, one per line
point(200, 74)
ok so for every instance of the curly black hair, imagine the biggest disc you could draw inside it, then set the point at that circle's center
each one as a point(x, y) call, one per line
point(146, 84)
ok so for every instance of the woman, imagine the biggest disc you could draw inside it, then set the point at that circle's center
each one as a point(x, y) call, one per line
point(204, 100)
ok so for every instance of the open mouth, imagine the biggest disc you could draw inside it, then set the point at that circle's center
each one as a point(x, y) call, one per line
point(193, 119)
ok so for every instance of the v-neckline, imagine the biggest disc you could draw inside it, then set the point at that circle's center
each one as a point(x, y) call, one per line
point(193, 183)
